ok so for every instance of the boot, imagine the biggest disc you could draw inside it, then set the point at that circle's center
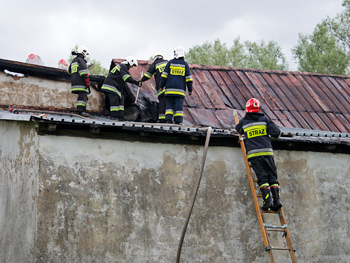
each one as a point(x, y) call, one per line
point(266, 194)
point(83, 113)
point(275, 190)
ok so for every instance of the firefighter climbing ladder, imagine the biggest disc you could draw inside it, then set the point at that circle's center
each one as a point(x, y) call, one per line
point(266, 228)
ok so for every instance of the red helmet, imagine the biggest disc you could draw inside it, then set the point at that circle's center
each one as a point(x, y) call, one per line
point(252, 105)
point(62, 63)
point(32, 56)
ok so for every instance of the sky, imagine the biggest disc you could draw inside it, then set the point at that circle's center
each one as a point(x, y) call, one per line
point(140, 28)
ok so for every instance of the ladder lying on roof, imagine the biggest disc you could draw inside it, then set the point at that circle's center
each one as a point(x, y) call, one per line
point(266, 228)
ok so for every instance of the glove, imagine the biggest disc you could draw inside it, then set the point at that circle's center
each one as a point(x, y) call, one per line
point(140, 84)
point(87, 82)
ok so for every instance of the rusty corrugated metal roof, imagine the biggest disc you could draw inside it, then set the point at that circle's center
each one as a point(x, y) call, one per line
point(290, 99)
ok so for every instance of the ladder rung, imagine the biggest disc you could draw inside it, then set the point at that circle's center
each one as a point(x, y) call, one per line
point(278, 248)
point(275, 227)
point(258, 195)
point(255, 180)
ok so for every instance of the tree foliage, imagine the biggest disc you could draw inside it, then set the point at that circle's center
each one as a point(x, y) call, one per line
point(258, 55)
point(96, 69)
point(326, 50)
point(339, 27)
point(320, 52)
point(265, 56)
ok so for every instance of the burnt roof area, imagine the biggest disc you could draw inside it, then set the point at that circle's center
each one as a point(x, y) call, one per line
point(307, 105)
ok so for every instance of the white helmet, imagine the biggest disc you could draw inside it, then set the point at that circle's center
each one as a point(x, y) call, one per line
point(157, 56)
point(83, 51)
point(131, 61)
point(179, 52)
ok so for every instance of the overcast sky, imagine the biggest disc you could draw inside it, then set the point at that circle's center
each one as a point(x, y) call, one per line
point(116, 29)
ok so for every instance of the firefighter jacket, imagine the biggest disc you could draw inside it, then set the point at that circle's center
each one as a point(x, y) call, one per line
point(175, 77)
point(156, 69)
point(79, 73)
point(116, 79)
point(257, 129)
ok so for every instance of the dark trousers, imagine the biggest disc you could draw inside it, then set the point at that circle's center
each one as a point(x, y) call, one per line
point(265, 169)
point(174, 108)
point(82, 101)
point(116, 104)
point(107, 106)
point(161, 108)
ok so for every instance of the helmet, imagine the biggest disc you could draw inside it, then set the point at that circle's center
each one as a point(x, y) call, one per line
point(83, 51)
point(34, 59)
point(157, 56)
point(252, 105)
point(131, 61)
point(179, 52)
point(62, 64)
point(32, 56)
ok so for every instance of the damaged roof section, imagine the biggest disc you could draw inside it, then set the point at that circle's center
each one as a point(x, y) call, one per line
point(291, 99)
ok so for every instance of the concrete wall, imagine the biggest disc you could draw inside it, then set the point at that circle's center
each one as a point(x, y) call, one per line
point(18, 191)
point(38, 92)
point(74, 199)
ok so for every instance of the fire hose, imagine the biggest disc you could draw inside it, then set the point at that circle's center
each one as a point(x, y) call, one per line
point(194, 195)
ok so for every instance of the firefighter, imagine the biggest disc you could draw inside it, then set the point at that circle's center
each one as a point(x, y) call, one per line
point(113, 86)
point(156, 69)
point(257, 130)
point(80, 78)
point(34, 59)
point(62, 64)
point(175, 77)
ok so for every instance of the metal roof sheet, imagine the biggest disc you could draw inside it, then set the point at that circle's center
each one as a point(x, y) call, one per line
point(291, 138)
point(291, 99)
point(98, 121)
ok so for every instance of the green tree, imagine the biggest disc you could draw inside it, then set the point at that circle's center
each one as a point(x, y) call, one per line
point(245, 55)
point(265, 56)
point(339, 26)
point(96, 67)
point(327, 49)
point(320, 52)
point(209, 54)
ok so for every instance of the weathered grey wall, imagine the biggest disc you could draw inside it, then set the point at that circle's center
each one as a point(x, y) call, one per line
point(97, 200)
point(38, 92)
point(18, 191)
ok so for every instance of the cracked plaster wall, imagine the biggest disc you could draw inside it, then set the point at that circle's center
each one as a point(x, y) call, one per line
point(37, 92)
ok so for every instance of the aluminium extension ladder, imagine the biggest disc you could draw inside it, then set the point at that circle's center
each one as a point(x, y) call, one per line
point(266, 228)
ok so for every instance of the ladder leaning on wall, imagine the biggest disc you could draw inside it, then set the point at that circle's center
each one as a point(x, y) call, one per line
point(266, 228)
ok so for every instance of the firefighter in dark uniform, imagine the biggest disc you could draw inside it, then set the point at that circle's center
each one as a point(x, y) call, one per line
point(156, 69)
point(175, 77)
point(257, 130)
point(80, 78)
point(114, 84)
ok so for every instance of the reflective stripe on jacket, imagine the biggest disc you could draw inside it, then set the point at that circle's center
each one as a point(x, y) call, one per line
point(156, 69)
point(79, 72)
point(257, 129)
point(176, 77)
point(116, 79)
